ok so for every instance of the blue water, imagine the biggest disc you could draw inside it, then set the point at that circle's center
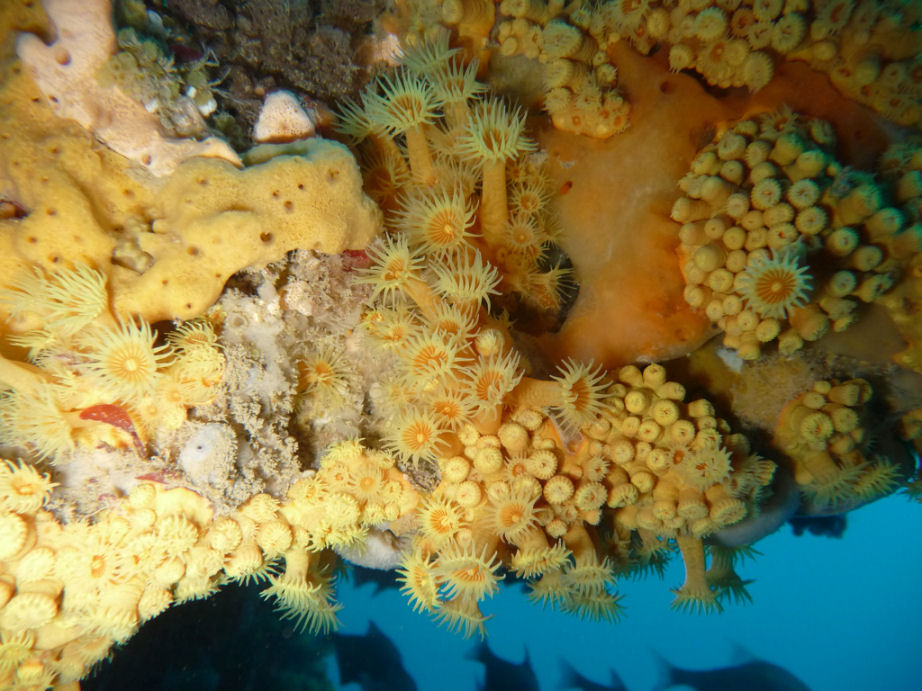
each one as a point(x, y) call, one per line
point(838, 613)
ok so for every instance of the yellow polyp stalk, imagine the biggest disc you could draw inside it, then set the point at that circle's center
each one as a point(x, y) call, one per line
point(548, 430)
point(580, 544)
point(536, 393)
point(721, 563)
point(716, 493)
point(626, 517)
point(485, 539)
point(456, 115)
point(26, 379)
point(666, 490)
point(693, 555)
point(532, 539)
point(450, 446)
point(422, 294)
point(467, 305)
point(389, 149)
point(820, 465)
point(494, 211)
point(420, 157)
point(905, 244)
point(691, 504)
point(103, 320)
point(489, 478)
point(52, 636)
point(296, 565)
point(488, 421)
point(649, 540)
point(572, 463)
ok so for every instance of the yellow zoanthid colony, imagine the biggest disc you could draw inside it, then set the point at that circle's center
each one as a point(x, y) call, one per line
point(72, 591)
point(214, 374)
point(81, 358)
point(528, 467)
point(868, 48)
point(780, 240)
point(824, 432)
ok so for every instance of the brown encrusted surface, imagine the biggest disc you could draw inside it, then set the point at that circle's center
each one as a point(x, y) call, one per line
point(268, 44)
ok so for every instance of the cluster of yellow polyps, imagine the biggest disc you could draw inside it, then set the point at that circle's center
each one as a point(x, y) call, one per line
point(676, 470)
point(901, 167)
point(519, 496)
point(462, 190)
point(68, 593)
point(512, 498)
point(581, 83)
point(354, 489)
point(856, 43)
point(869, 50)
point(824, 432)
point(529, 467)
point(779, 240)
point(93, 377)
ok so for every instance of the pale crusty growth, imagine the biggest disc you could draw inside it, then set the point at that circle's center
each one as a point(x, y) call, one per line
point(282, 119)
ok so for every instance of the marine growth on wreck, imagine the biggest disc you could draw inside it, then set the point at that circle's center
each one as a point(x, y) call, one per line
point(459, 289)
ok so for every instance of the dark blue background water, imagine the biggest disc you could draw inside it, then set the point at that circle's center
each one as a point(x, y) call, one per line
point(838, 613)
